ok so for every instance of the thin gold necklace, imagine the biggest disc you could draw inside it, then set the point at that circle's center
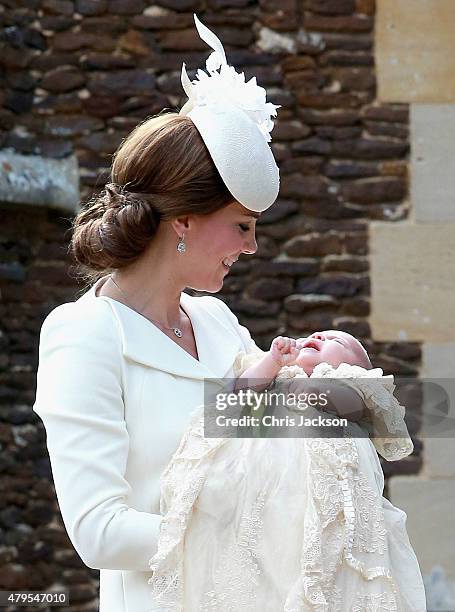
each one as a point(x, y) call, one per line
point(177, 331)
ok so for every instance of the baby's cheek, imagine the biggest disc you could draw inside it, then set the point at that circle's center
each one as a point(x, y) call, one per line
point(336, 355)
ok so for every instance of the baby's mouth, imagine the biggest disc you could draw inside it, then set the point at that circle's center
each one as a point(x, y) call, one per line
point(311, 344)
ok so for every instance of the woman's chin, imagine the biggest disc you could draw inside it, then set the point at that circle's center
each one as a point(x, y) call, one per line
point(213, 284)
point(208, 286)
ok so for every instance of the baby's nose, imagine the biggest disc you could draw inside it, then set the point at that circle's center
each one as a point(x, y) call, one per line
point(318, 335)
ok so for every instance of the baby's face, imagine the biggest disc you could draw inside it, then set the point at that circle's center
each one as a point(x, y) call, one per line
point(332, 347)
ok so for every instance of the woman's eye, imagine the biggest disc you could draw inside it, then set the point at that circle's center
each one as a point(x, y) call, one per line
point(244, 227)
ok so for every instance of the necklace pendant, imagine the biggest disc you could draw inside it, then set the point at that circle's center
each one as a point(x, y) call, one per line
point(177, 332)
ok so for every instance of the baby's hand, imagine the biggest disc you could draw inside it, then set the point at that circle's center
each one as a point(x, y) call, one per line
point(284, 350)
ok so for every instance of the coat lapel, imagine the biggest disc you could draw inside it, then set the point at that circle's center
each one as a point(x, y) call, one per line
point(143, 342)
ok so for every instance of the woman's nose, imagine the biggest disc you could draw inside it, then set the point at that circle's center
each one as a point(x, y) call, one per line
point(251, 246)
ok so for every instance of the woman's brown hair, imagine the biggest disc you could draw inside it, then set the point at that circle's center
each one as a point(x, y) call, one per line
point(162, 169)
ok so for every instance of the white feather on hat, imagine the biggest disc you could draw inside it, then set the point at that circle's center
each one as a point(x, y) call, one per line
point(233, 119)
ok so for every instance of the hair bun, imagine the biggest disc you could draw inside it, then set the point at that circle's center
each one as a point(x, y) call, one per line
point(114, 195)
point(114, 229)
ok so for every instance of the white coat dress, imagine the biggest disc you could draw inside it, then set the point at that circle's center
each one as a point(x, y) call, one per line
point(115, 394)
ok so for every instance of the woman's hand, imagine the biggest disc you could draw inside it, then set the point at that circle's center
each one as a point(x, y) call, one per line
point(284, 350)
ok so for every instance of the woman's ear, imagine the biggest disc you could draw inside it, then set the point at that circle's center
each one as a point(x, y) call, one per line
point(181, 225)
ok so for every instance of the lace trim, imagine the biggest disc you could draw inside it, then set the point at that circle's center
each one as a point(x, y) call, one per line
point(381, 602)
point(235, 578)
point(181, 483)
point(347, 515)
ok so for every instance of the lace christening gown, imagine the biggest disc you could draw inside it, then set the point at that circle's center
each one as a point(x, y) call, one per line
point(287, 524)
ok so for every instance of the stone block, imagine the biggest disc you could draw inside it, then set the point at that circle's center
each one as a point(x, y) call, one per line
point(354, 23)
point(314, 244)
point(430, 525)
point(31, 179)
point(433, 162)
point(412, 269)
point(374, 190)
point(414, 50)
point(337, 285)
point(438, 361)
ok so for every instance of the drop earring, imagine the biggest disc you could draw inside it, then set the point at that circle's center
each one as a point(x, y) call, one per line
point(181, 247)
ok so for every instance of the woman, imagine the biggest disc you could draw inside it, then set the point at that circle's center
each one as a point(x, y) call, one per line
point(122, 367)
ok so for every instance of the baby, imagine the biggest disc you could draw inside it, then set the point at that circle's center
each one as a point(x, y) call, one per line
point(331, 346)
point(289, 524)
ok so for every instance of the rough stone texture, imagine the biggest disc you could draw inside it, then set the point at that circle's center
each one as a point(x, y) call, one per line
point(34, 549)
point(65, 78)
point(78, 76)
point(433, 162)
point(409, 300)
point(414, 50)
point(32, 179)
point(91, 7)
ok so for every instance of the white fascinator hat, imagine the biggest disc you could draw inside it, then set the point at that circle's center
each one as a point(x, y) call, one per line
point(233, 119)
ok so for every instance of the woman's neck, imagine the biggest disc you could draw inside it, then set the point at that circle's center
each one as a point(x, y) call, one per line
point(148, 287)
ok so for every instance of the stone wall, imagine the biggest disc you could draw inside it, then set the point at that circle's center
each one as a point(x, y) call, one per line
point(78, 77)
point(35, 552)
point(413, 262)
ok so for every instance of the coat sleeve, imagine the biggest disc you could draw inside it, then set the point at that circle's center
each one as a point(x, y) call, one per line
point(79, 398)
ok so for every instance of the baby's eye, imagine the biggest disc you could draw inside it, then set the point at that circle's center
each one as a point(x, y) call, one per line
point(244, 227)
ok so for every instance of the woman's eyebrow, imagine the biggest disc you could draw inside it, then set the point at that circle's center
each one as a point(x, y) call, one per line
point(252, 214)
